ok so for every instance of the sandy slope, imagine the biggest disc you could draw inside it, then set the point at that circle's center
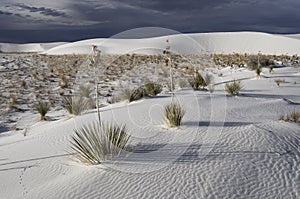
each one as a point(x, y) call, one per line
point(34, 47)
point(227, 147)
point(230, 42)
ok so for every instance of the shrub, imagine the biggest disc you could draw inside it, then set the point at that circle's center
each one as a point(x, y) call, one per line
point(258, 71)
point(209, 79)
point(197, 82)
point(294, 116)
point(174, 113)
point(74, 105)
point(137, 94)
point(152, 89)
point(85, 92)
point(233, 88)
point(42, 108)
point(97, 142)
point(278, 81)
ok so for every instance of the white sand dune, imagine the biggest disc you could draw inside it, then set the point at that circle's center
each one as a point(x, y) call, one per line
point(227, 147)
point(34, 47)
point(223, 42)
point(227, 42)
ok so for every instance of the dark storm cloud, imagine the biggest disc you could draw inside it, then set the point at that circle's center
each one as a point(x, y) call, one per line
point(42, 10)
point(109, 17)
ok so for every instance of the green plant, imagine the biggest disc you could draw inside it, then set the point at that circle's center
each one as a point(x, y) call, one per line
point(278, 81)
point(74, 105)
point(137, 94)
point(233, 88)
point(85, 92)
point(152, 89)
point(258, 71)
point(197, 82)
point(209, 79)
point(174, 113)
point(294, 116)
point(42, 108)
point(98, 142)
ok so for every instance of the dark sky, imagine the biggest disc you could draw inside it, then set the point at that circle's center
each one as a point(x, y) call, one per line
point(24, 21)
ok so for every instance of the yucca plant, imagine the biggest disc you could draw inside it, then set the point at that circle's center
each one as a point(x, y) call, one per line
point(74, 105)
point(174, 113)
point(85, 92)
point(233, 88)
point(42, 108)
point(294, 116)
point(278, 81)
point(152, 89)
point(137, 94)
point(258, 71)
point(95, 143)
point(197, 82)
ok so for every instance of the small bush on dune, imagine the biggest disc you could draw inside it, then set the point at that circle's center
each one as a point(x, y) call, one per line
point(137, 94)
point(278, 81)
point(152, 89)
point(74, 105)
point(174, 113)
point(209, 79)
point(295, 116)
point(85, 92)
point(197, 82)
point(97, 142)
point(233, 88)
point(42, 108)
point(258, 71)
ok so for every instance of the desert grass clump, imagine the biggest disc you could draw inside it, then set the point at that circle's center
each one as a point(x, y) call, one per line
point(74, 105)
point(278, 81)
point(258, 71)
point(174, 113)
point(137, 94)
point(95, 143)
point(153, 89)
point(233, 88)
point(295, 116)
point(197, 82)
point(86, 93)
point(42, 108)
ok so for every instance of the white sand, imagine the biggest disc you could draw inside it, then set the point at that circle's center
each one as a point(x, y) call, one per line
point(236, 42)
point(34, 47)
point(227, 147)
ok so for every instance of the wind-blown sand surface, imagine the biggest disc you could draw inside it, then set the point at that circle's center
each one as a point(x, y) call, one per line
point(227, 147)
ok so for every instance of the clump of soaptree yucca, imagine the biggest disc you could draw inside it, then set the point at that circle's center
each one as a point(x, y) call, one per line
point(42, 108)
point(233, 88)
point(75, 105)
point(97, 142)
point(174, 113)
point(197, 82)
